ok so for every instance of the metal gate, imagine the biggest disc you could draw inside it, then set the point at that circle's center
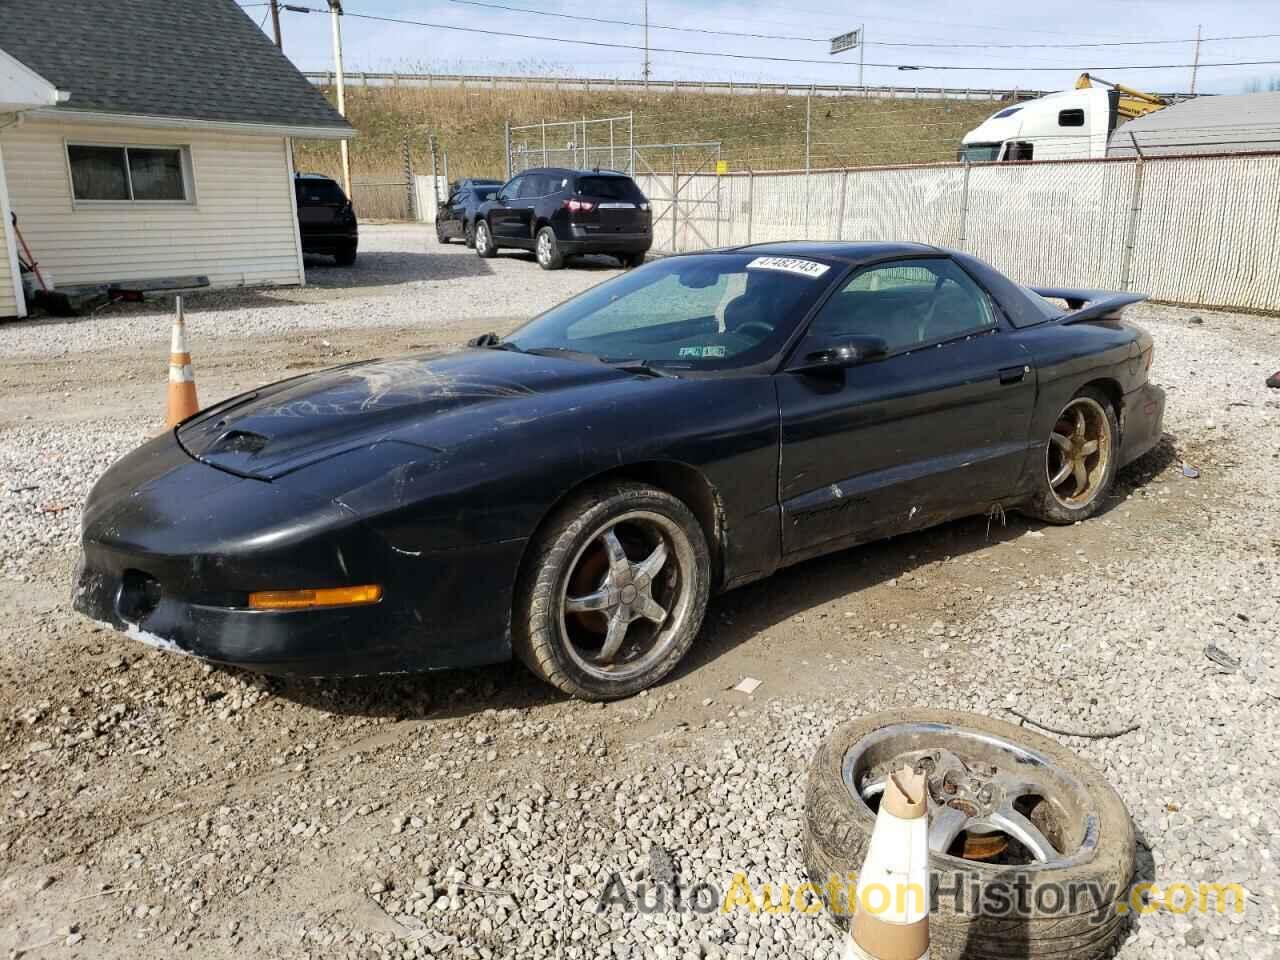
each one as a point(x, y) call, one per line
point(682, 183)
point(606, 142)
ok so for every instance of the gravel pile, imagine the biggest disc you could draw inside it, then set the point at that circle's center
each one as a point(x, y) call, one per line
point(402, 278)
point(153, 805)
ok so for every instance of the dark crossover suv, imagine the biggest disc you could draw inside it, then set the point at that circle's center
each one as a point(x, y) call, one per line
point(557, 213)
point(326, 219)
point(456, 216)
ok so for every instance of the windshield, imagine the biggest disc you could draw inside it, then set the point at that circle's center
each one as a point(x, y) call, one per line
point(980, 152)
point(704, 312)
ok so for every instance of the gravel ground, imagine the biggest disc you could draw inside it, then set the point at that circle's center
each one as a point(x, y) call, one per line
point(153, 805)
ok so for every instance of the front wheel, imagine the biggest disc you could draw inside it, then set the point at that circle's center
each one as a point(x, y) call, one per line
point(484, 240)
point(613, 592)
point(1079, 460)
point(547, 248)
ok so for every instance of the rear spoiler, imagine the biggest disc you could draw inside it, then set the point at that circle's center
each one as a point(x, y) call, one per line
point(1084, 304)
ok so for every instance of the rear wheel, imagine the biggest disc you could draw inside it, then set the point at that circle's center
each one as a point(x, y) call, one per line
point(345, 255)
point(630, 260)
point(440, 237)
point(613, 593)
point(1080, 460)
point(484, 240)
point(547, 247)
point(469, 235)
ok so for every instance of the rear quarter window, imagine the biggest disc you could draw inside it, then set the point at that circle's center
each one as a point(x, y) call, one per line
point(610, 188)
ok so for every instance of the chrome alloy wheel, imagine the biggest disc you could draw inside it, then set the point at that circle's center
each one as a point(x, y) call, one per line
point(1078, 457)
point(627, 596)
point(990, 800)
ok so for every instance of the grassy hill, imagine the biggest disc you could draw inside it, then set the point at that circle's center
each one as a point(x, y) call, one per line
point(757, 131)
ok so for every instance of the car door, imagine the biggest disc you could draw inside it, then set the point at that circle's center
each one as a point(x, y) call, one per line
point(450, 214)
point(936, 427)
point(503, 215)
point(524, 210)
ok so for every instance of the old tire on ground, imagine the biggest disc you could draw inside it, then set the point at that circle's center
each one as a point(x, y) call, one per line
point(345, 255)
point(1081, 456)
point(612, 592)
point(838, 825)
point(547, 249)
point(484, 240)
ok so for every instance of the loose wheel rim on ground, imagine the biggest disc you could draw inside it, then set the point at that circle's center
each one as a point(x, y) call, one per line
point(1078, 456)
point(991, 800)
point(627, 595)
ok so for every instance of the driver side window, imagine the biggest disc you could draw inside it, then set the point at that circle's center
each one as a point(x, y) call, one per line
point(511, 190)
point(909, 303)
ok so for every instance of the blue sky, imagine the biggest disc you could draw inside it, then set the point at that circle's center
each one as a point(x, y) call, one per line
point(375, 46)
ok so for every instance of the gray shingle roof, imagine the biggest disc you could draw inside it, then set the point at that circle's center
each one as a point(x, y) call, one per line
point(1243, 123)
point(190, 59)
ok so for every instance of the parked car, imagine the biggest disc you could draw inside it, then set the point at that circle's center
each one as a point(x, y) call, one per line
point(574, 492)
point(557, 213)
point(456, 215)
point(326, 218)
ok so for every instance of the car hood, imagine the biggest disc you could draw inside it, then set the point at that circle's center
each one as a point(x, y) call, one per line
point(283, 427)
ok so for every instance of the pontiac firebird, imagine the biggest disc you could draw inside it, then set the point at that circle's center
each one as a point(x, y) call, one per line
point(574, 492)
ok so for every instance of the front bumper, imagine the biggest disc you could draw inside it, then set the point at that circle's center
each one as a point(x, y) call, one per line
point(1141, 422)
point(171, 548)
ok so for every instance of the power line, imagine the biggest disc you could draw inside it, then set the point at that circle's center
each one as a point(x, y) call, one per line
point(869, 43)
point(759, 57)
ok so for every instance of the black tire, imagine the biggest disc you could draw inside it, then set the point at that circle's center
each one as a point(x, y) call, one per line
point(838, 829)
point(540, 637)
point(469, 236)
point(440, 237)
point(1049, 506)
point(631, 260)
point(546, 250)
point(345, 255)
point(485, 247)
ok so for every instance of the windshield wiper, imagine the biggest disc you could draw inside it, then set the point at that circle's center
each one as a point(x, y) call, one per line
point(642, 367)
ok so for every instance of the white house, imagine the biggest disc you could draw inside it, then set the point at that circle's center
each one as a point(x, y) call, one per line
point(145, 140)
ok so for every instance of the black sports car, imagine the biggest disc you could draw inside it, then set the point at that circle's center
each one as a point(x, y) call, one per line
point(572, 493)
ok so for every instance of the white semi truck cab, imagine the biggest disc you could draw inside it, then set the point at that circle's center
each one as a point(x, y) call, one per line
point(1070, 125)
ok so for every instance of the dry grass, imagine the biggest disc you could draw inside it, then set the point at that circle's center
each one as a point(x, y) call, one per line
point(759, 131)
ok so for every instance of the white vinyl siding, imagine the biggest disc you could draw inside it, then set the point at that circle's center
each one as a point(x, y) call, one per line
point(240, 229)
point(8, 254)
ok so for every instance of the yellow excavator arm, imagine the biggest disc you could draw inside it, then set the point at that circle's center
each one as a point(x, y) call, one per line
point(1133, 103)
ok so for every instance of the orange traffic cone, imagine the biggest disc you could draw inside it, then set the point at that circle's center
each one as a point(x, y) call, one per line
point(182, 382)
point(892, 922)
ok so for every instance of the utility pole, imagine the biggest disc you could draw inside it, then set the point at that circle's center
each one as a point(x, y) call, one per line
point(335, 12)
point(645, 72)
point(862, 50)
point(275, 23)
point(1195, 64)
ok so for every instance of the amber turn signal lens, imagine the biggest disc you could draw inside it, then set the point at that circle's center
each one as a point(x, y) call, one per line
point(303, 599)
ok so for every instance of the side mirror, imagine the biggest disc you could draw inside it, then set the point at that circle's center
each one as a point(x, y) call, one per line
point(845, 352)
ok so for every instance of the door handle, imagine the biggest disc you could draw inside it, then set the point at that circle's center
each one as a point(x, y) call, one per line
point(1010, 375)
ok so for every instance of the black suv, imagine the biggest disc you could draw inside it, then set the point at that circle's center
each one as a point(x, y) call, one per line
point(456, 216)
point(326, 219)
point(557, 212)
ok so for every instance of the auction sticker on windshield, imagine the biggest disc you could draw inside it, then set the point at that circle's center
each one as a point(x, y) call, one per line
point(805, 268)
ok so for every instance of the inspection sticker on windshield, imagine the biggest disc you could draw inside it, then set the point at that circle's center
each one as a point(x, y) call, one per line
point(704, 352)
point(806, 268)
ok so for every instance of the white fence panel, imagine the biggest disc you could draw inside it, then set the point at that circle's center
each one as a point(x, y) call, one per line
point(903, 204)
point(1209, 232)
point(1053, 223)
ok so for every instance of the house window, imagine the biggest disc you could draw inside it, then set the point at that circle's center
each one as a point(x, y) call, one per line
point(1071, 118)
point(137, 174)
